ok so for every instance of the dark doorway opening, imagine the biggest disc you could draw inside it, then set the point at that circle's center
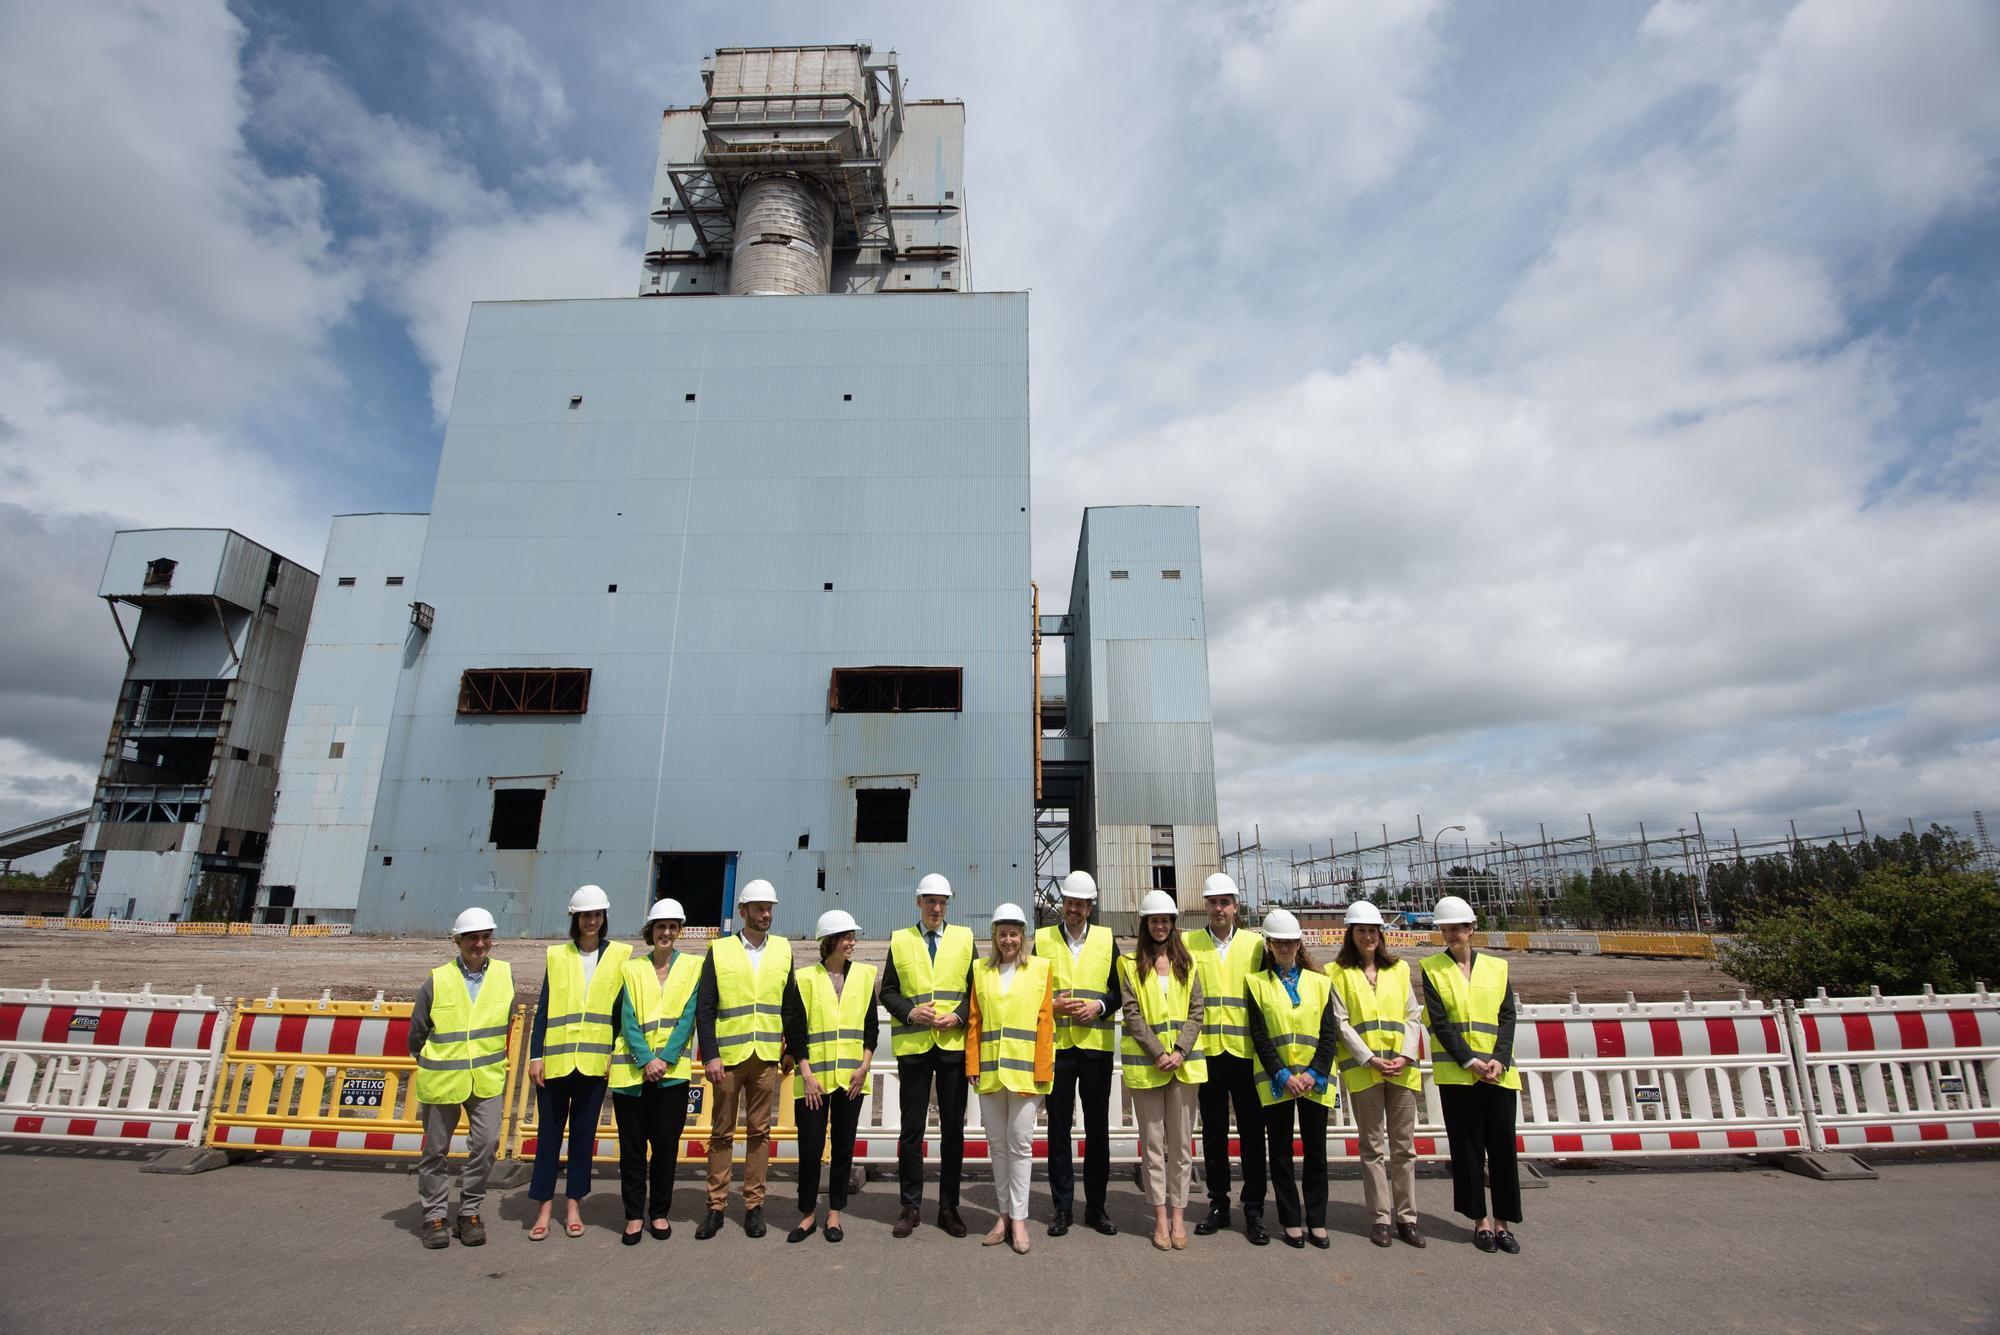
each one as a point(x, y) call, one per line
point(704, 883)
point(517, 817)
point(881, 815)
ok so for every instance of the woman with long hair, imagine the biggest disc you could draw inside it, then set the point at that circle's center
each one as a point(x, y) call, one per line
point(1293, 1033)
point(1010, 1057)
point(1376, 1008)
point(1162, 1060)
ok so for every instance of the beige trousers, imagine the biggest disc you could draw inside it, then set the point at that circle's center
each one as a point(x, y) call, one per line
point(1166, 1141)
point(1385, 1119)
point(753, 1082)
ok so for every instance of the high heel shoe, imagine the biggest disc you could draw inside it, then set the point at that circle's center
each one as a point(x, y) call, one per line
point(1163, 1240)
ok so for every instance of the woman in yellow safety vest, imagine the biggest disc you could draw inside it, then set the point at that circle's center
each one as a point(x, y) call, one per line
point(570, 1055)
point(1293, 1033)
point(1010, 1057)
point(654, 1020)
point(1376, 1008)
point(1471, 1018)
point(830, 1027)
point(1162, 1060)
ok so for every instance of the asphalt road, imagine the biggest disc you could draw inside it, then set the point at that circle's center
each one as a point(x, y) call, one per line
point(94, 1245)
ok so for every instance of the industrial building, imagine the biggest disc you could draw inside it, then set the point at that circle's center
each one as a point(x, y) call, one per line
point(731, 579)
point(181, 814)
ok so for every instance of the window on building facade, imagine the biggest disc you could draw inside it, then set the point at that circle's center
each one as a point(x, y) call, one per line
point(517, 817)
point(881, 815)
point(896, 690)
point(524, 691)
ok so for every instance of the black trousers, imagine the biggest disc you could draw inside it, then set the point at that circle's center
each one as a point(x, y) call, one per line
point(1080, 1071)
point(649, 1128)
point(1232, 1080)
point(843, 1114)
point(1278, 1133)
point(915, 1077)
point(1479, 1119)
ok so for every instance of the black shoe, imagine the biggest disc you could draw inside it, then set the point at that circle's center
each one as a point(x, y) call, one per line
point(1482, 1238)
point(435, 1234)
point(661, 1233)
point(1060, 1224)
point(1214, 1221)
point(1253, 1228)
point(1298, 1241)
point(834, 1233)
point(710, 1225)
point(632, 1239)
point(753, 1222)
point(801, 1234)
point(1319, 1240)
point(1101, 1221)
point(1507, 1242)
point(949, 1221)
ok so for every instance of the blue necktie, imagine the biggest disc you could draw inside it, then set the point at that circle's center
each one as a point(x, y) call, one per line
point(930, 939)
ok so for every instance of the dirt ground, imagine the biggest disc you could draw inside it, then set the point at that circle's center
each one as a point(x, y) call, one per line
point(356, 967)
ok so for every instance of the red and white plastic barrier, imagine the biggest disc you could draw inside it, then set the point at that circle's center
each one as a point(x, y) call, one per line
point(128, 1067)
point(1902, 1070)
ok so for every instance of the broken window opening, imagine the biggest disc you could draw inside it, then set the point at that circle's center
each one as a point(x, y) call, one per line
point(881, 815)
point(517, 817)
point(160, 573)
point(897, 690)
point(524, 691)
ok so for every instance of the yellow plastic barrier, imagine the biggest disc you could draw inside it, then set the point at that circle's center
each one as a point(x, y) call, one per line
point(526, 1122)
point(330, 1077)
point(1671, 945)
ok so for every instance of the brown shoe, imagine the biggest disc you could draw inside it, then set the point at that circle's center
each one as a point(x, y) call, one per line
point(1408, 1233)
point(949, 1221)
point(1380, 1235)
point(906, 1224)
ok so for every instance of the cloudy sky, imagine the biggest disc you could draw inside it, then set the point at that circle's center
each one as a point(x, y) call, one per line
point(1592, 407)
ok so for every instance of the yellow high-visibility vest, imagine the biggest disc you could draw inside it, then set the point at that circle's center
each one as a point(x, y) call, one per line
point(1086, 977)
point(836, 1023)
point(1225, 1025)
point(749, 1003)
point(918, 978)
point(466, 1053)
point(1472, 1010)
point(1164, 1016)
point(577, 1035)
point(659, 1007)
point(1379, 1014)
point(1009, 1025)
point(1293, 1028)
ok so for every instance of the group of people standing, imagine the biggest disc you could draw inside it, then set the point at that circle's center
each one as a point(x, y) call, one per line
point(1217, 1022)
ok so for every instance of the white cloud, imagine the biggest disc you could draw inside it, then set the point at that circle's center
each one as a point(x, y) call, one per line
point(525, 90)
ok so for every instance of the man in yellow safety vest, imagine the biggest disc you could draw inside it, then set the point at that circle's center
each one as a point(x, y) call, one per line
point(924, 989)
point(1087, 1000)
point(739, 1021)
point(1227, 954)
point(458, 1035)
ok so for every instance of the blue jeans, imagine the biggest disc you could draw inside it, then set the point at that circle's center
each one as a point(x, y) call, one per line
point(566, 1103)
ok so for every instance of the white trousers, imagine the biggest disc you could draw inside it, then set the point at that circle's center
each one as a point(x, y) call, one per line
point(1009, 1121)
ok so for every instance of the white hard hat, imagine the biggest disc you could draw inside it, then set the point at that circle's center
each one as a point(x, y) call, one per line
point(1363, 914)
point(1280, 925)
point(1218, 885)
point(1079, 885)
point(666, 910)
point(1158, 903)
point(588, 897)
point(835, 921)
point(473, 920)
point(1007, 913)
point(1452, 909)
point(759, 891)
point(934, 884)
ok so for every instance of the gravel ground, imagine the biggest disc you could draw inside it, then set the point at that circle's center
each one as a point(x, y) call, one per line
point(356, 967)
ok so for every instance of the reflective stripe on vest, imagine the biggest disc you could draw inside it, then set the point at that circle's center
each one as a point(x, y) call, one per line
point(1086, 977)
point(1009, 1025)
point(1225, 1025)
point(1165, 1016)
point(1369, 1013)
point(466, 1053)
point(835, 1025)
point(1472, 1010)
point(917, 978)
point(749, 1016)
point(577, 1034)
point(1293, 1029)
point(659, 1007)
